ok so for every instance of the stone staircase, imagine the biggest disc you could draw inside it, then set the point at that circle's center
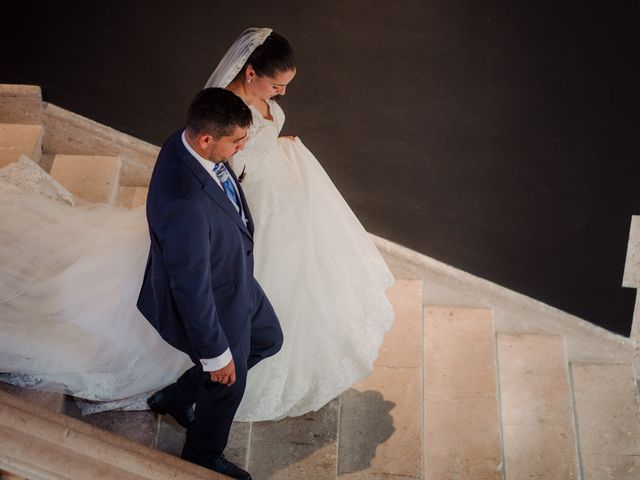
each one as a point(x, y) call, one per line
point(478, 391)
point(18, 139)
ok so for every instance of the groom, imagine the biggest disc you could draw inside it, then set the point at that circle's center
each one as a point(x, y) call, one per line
point(199, 291)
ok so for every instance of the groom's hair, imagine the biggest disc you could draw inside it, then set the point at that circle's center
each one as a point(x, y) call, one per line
point(216, 112)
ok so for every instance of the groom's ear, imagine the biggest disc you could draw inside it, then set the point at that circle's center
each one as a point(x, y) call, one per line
point(205, 140)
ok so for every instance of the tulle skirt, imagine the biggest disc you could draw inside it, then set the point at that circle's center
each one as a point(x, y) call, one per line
point(70, 278)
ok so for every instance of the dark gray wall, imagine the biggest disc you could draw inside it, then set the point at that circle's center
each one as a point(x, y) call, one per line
point(498, 137)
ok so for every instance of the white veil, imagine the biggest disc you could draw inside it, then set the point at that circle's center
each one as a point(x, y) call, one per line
point(237, 56)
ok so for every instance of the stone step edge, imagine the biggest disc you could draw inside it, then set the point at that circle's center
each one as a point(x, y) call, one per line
point(35, 149)
point(54, 115)
point(513, 312)
point(65, 434)
point(20, 90)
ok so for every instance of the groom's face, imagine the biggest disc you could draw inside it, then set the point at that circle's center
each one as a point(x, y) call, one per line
point(223, 148)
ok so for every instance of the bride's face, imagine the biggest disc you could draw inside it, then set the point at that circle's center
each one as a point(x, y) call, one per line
point(266, 87)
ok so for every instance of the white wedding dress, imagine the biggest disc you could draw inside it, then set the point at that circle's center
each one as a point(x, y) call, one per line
point(321, 271)
point(71, 276)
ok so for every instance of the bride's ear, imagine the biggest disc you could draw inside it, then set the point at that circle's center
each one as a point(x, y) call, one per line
point(249, 73)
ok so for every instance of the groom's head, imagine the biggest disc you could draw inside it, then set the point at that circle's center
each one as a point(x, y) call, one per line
point(217, 123)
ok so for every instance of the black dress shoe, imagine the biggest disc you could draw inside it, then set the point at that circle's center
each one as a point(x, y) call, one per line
point(159, 404)
point(220, 464)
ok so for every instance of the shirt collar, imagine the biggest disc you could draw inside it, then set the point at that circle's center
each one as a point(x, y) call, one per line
point(206, 164)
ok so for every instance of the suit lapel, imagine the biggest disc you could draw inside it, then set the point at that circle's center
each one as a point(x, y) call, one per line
point(220, 197)
point(213, 190)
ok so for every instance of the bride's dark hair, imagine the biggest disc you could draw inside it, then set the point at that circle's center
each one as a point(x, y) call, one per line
point(273, 56)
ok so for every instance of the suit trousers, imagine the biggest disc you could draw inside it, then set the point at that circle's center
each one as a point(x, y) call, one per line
point(216, 404)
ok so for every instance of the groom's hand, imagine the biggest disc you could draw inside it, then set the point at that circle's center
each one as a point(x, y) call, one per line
point(226, 375)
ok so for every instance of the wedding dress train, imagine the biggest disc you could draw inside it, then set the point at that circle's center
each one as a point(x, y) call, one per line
point(70, 277)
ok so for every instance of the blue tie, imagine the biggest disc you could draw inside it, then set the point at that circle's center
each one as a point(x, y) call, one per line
point(225, 179)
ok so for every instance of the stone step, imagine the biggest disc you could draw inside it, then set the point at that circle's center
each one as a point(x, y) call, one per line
point(18, 139)
point(402, 344)
point(134, 173)
point(38, 443)
point(140, 427)
point(380, 432)
point(50, 400)
point(296, 447)
point(131, 197)
point(20, 104)
point(93, 178)
point(53, 401)
point(461, 407)
point(537, 415)
point(608, 421)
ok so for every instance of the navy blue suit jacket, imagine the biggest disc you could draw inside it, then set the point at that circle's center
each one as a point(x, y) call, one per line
point(198, 290)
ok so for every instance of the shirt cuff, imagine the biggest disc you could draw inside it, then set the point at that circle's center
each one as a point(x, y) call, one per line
point(211, 364)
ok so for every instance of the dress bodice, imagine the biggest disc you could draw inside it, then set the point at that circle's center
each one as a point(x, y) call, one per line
point(261, 148)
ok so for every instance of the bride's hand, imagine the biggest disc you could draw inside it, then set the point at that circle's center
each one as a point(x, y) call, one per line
point(289, 137)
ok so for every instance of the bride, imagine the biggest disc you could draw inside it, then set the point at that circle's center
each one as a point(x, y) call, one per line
point(71, 274)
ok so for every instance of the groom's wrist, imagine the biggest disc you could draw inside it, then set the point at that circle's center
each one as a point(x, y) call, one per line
point(216, 363)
